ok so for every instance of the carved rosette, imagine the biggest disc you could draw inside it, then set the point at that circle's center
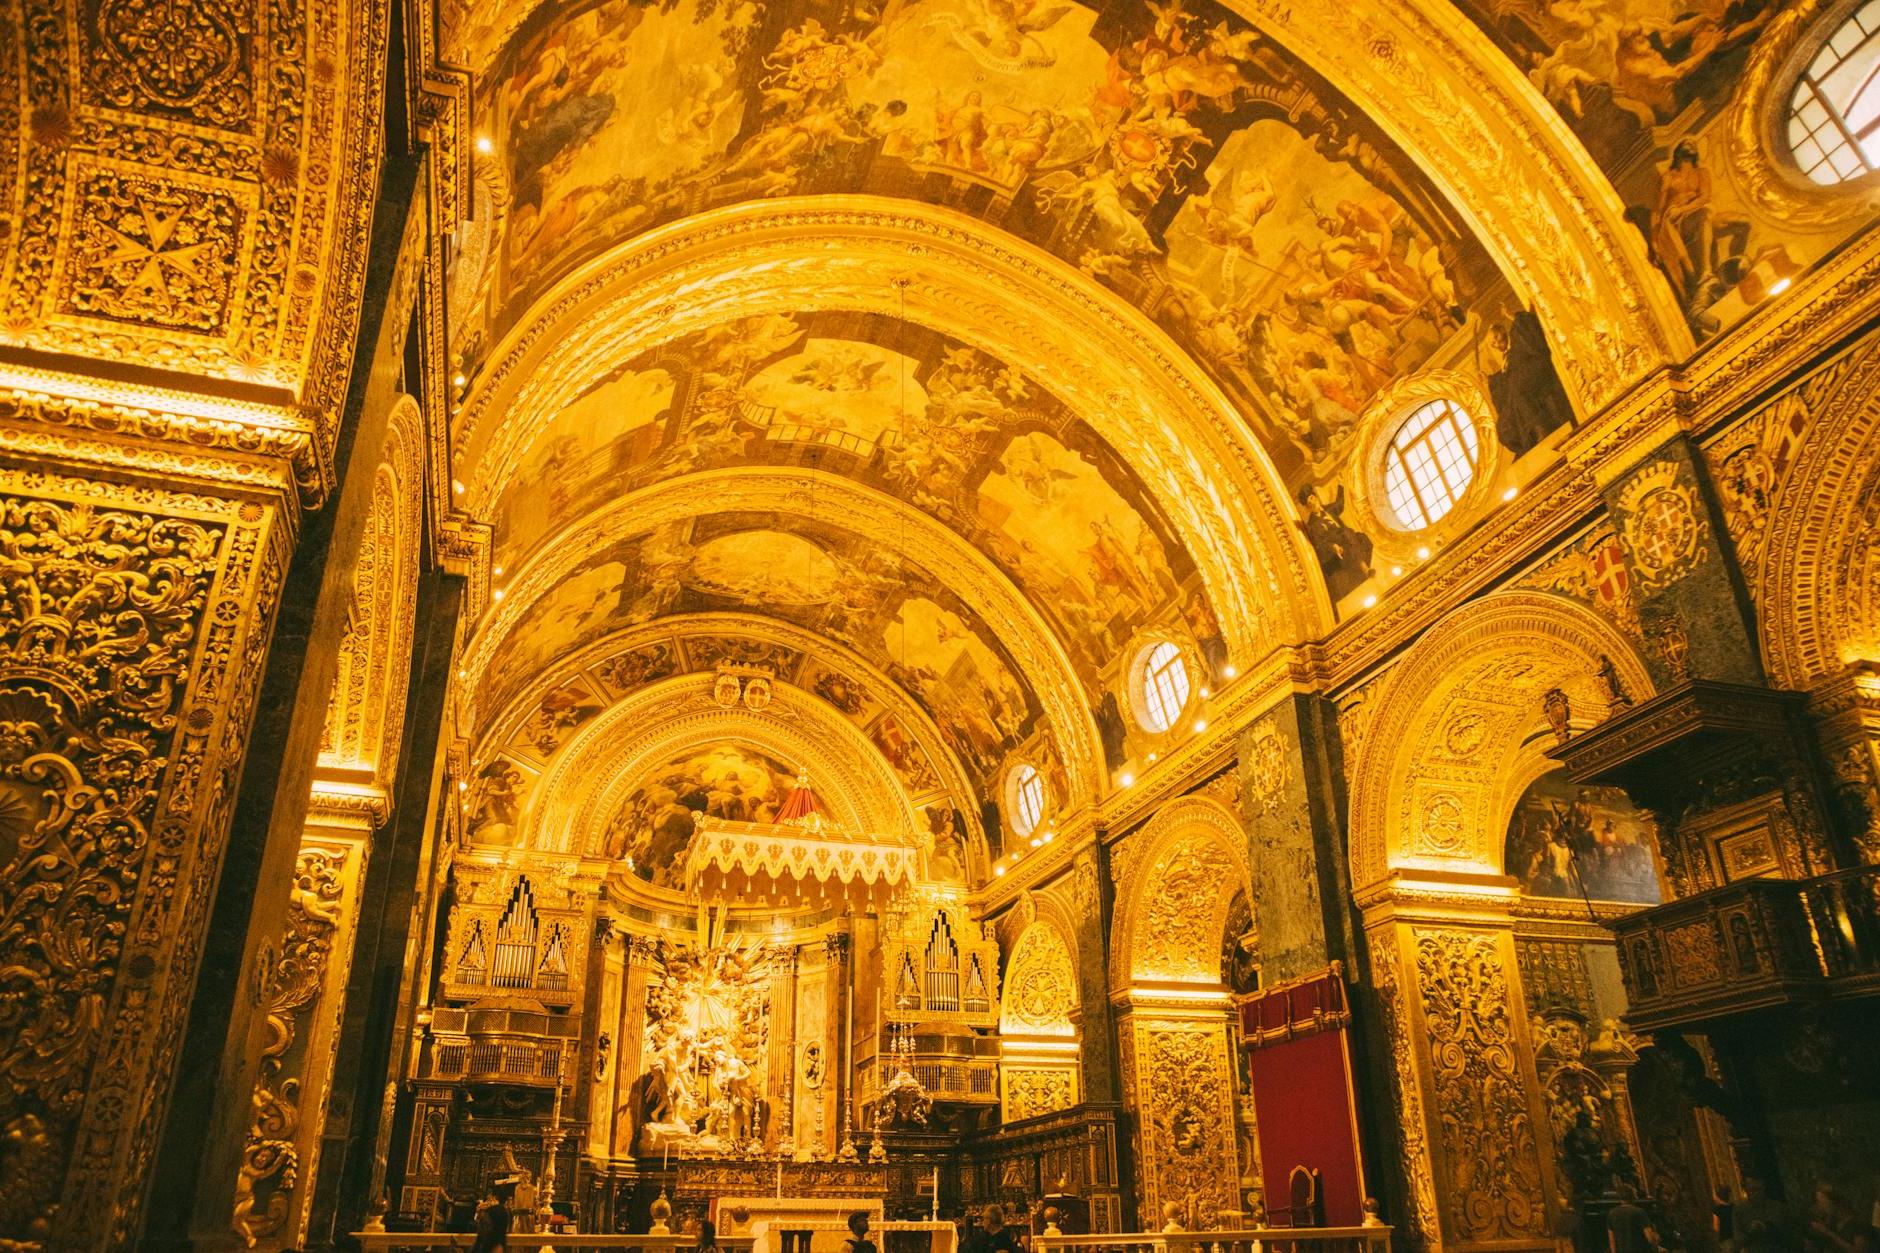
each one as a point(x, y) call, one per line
point(132, 633)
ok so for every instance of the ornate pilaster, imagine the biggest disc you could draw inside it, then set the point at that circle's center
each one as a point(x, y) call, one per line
point(301, 1000)
point(1287, 802)
point(134, 625)
point(1466, 1091)
point(1178, 1078)
point(636, 955)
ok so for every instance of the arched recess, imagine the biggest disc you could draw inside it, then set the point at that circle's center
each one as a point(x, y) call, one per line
point(366, 714)
point(588, 781)
point(1038, 1037)
point(1462, 720)
point(1526, 186)
point(1183, 868)
point(1042, 663)
point(1181, 873)
point(538, 722)
point(964, 279)
point(1818, 590)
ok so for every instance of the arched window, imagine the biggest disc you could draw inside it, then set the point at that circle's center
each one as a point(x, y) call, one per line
point(1431, 462)
point(1024, 798)
point(1834, 112)
point(1163, 686)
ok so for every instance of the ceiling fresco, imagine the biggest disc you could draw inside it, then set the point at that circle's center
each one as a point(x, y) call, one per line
point(1167, 151)
point(1649, 86)
point(895, 616)
point(978, 446)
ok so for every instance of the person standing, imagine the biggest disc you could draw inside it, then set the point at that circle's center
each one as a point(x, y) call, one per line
point(492, 1224)
point(1628, 1226)
point(1760, 1222)
point(858, 1241)
point(1723, 1218)
point(999, 1238)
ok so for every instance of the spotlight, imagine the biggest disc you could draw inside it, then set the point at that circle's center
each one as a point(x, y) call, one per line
point(1395, 571)
point(1127, 779)
point(1423, 554)
point(1369, 601)
point(484, 145)
point(497, 594)
point(1201, 724)
point(1509, 494)
point(1780, 285)
point(1229, 671)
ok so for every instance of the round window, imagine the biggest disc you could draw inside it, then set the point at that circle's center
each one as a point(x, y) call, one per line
point(1024, 798)
point(1834, 111)
point(1161, 686)
point(1430, 462)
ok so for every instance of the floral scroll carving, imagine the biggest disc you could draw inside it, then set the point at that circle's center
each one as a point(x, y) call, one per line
point(1183, 1084)
point(1406, 1096)
point(105, 744)
point(1493, 1187)
point(270, 1168)
point(192, 59)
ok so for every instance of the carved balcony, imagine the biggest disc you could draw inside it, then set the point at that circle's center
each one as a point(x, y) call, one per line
point(1752, 945)
point(510, 1042)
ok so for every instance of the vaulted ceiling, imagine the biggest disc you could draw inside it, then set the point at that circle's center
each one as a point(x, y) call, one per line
point(944, 352)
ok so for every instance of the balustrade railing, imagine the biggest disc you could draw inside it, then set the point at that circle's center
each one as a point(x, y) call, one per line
point(401, 1240)
point(1367, 1239)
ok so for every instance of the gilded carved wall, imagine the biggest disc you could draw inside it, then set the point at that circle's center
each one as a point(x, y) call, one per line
point(133, 627)
point(1491, 1180)
point(189, 186)
point(1181, 1073)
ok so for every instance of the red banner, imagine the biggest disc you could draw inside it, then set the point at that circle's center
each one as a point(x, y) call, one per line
point(1299, 1065)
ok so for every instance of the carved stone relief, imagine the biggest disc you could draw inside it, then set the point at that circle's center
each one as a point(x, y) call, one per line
point(271, 1161)
point(131, 641)
point(1491, 1164)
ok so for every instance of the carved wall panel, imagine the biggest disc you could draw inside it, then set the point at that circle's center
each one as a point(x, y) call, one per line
point(1029, 1091)
point(1186, 1151)
point(1481, 1086)
point(190, 185)
point(303, 990)
point(133, 629)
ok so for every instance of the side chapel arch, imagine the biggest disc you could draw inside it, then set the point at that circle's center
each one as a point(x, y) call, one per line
point(1462, 718)
point(1819, 585)
point(1173, 1025)
point(1039, 1072)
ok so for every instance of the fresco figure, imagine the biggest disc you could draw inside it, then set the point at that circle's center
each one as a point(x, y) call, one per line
point(1344, 553)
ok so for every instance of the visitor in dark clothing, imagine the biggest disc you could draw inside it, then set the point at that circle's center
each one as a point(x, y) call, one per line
point(492, 1225)
point(1628, 1226)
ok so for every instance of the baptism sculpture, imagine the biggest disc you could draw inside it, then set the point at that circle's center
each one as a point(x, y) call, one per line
point(707, 1041)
